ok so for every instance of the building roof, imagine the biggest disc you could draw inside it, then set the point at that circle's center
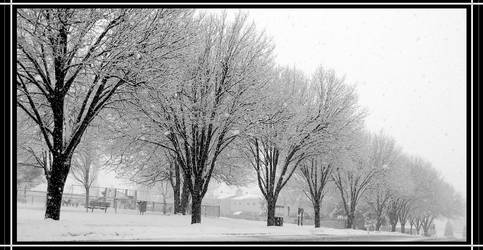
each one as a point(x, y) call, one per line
point(247, 196)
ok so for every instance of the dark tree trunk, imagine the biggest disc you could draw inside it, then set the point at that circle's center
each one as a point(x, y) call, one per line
point(195, 209)
point(164, 204)
point(317, 215)
point(55, 187)
point(176, 200)
point(87, 199)
point(185, 195)
point(403, 228)
point(393, 227)
point(378, 223)
point(54, 199)
point(350, 221)
point(176, 185)
point(271, 212)
point(351, 216)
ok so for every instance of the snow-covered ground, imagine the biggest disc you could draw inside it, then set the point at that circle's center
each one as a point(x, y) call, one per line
point(77, 225)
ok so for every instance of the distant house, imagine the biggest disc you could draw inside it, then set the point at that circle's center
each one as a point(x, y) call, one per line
point(240, 203)
point(246, 203)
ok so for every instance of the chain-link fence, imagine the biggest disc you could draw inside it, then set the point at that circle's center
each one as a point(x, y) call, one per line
point(119, 199)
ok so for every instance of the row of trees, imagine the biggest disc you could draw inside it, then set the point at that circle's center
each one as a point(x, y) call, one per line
point(384, 184)
point(186, 98)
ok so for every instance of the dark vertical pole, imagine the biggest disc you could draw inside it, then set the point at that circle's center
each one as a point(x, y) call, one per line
point(115, 200)
point(135, 196)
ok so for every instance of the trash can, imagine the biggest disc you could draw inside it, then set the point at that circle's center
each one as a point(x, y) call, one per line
point(279, 221)
point(142, 206)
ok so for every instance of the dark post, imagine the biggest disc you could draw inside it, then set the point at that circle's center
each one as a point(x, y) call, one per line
point(105, 194)
point(300, 217)
point(128, 202)
point(135, 195)
point(115, 200)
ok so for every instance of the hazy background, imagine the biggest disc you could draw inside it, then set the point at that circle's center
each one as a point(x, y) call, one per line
point(409, 66)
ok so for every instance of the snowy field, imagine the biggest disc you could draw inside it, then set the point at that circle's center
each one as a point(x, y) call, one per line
point(77, 225)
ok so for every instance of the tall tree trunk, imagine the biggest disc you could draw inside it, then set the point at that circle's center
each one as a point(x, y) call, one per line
point(271, 212)
point(176, 185)
point(351, 216)
point(378, 223)
point(55, 187)
point(176, 200)
point(54, 199)
point(185, 195)
point(403, 228)
point(317, 215)
point(350, 221)
point(87, 199)
point(393, 227)
point(164, 204)
point(196, 208)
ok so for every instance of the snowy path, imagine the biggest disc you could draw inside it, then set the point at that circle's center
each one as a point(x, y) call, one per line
point(77, 225)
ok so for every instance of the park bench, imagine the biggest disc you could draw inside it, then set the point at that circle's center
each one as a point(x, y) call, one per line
point(98, 205)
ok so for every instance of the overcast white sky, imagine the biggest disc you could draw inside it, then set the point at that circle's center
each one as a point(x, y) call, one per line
point(408, 64)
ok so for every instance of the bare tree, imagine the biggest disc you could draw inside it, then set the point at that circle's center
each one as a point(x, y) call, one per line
point(432, 197)
point(379, 204)
point(29, 147)
point(294, 124)
point(414, 220)
point(403, 213)
point(179, 183)
point(70, 65)
point(275, 145)
point(385, 155)
point(196, 113)
point(392, 212)
point(316, 175)
point(355, 174)
point(84, 169)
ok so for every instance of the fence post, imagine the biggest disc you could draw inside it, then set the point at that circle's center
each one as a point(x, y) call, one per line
point(115, 200)
point(135, 198)
point(128, 203)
